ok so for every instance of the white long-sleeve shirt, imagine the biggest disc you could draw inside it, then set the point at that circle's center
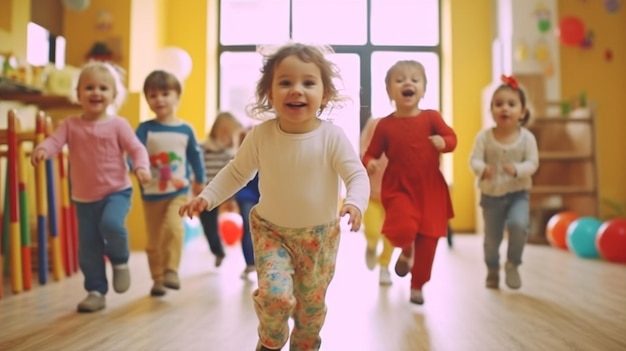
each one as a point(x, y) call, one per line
point(299, 174)
point(522, 153)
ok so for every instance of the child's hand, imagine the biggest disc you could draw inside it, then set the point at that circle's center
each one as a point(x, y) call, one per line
point(488, 173)
point(196, 205)
point(196, 188)
point(437, 141)
point(38, 156)
point(143, 175)
point(373, 166)
point(510, 169)
point(355, 216)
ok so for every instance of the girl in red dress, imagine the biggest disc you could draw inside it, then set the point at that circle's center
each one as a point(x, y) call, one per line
point(414, 192)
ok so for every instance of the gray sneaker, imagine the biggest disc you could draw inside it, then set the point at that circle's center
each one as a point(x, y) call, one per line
point(384, 277)
point(171, 280)
point(370, 258)
point(417, 297)
point(512, 277)
point(92, 303)
point(121, 278)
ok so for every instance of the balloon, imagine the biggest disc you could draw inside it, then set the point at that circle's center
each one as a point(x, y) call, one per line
point(230, 226)
point(581, 237)
point(174, 60)
point(572, 31)
point(556, 229)
point(611, 240)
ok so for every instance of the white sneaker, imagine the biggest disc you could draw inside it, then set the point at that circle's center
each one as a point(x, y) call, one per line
point(370, 258)
point(246, 271)
point(384, 277)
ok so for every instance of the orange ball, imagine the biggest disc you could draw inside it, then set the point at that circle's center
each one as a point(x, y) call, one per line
point(556, 229)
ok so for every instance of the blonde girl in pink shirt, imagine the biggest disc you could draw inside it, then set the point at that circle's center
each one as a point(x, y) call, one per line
point(98, 141)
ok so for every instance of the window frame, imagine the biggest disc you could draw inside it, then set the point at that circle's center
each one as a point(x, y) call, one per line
point(364, 51)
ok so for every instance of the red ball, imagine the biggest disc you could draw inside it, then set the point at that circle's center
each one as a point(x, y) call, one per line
point(230, 226)
point(611, 240)
point(572, 31)
point(556, 229)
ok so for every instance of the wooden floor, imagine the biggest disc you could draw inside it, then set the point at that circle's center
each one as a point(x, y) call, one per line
point(566, 303)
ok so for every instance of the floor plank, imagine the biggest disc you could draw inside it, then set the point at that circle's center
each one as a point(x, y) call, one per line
point(566, 303)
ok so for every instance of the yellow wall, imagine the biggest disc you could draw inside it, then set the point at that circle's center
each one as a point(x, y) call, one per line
point(471, 72)
point(14, 40)
point(605, 84)
point(187, 28)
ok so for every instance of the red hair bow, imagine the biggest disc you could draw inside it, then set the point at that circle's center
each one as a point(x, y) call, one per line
point(510, 81)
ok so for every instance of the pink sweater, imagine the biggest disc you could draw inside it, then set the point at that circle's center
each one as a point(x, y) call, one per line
point(97, 155)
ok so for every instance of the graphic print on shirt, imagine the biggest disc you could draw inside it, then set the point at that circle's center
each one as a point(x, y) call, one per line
point(163, 167)
point(167, 166)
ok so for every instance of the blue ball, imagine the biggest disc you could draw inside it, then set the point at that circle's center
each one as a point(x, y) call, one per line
point(581, 237)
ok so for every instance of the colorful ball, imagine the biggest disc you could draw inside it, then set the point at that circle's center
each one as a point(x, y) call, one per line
point(556, 229)
point(230, 226)
point(611, 240)
point(581, 237)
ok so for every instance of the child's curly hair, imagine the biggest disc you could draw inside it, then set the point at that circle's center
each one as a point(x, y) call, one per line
point(306, 53)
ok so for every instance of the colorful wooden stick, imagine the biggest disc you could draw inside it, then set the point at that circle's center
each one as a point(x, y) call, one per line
point(17, 283)
point(41, 198)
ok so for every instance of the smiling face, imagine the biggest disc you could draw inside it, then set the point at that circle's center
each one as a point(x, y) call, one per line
point(406, 85)
point(96, 91)
point(507, 108)
point(297, 93)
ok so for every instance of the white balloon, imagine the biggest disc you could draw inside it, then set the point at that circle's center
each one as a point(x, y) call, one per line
point(174, 60)
point(76, 5)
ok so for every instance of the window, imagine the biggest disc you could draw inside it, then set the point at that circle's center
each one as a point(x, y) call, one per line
point(308, 25)
point(42, 47)
point(368, 36)
point(267, 20)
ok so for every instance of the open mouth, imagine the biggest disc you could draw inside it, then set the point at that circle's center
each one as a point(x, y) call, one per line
point(295, 104)
point(408, 93)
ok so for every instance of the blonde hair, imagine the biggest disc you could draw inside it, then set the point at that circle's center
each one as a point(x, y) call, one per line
point(306, 53)
point(221, 118)
point(116, 72)
point(404, 64)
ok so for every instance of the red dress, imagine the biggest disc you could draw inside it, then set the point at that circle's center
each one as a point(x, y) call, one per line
point(414, 192)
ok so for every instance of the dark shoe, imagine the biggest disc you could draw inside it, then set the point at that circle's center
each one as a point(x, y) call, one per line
point(493, 278)
point(218, 260)
point(171, 280)
point(404, 264)
point(158, 289)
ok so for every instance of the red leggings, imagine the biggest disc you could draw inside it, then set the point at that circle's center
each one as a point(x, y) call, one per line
point(424, 255)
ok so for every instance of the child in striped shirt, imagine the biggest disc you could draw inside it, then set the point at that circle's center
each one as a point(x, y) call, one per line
point(218, 149)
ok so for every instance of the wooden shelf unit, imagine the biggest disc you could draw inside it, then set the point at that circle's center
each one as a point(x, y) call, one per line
point(567, 178)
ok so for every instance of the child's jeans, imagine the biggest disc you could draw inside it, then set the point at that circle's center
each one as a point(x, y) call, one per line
point(208, 219)
point(102, 231)
point(510, 210)
point(245, 207)
point(295, 267)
